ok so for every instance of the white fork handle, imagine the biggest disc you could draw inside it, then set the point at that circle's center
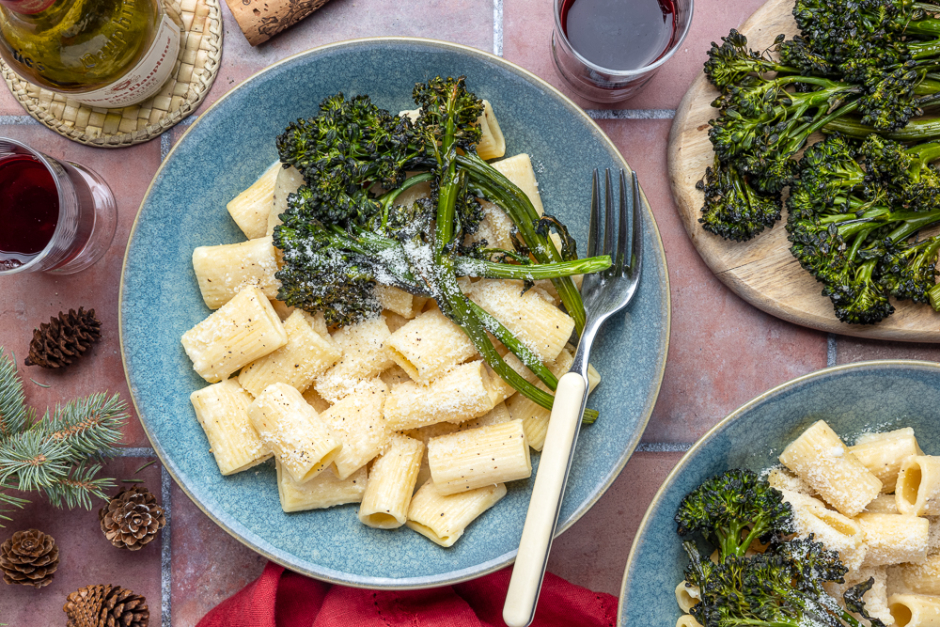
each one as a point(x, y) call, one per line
point(529, 570)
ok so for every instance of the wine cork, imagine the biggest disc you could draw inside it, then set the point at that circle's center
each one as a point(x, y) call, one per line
point(260, 20)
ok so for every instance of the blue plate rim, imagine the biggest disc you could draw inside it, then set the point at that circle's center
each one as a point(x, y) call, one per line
point(717, 430)
point(456, 576)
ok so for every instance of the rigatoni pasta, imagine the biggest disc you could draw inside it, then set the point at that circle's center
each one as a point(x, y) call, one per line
point(323, 491)
point(918, 488)
point(823, 462)
point(464, 393)
point(364, 356)
point(882, 454)
point(244, 329)
point(358, 423)
point(301, 442)
point(305, 356)
point(429, 346)
point(474, 458)
point(443, 518)
point(538, 324)
point(250, 209)
point(391, 483)
point(222, 410)
point(222, 271)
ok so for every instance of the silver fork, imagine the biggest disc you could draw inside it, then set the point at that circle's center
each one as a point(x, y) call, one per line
point(604, 294)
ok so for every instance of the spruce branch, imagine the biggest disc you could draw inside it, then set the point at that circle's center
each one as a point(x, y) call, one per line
point(15, 416)
point(77, 488)
point(89, 426)
point(33, 460)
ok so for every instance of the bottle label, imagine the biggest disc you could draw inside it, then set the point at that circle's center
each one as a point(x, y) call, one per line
point(29, 7)
point(146, 78)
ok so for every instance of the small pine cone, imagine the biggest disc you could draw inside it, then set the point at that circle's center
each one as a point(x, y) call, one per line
point(63, 339)
point(106, 606)
point(29, 558)
point(132, 518)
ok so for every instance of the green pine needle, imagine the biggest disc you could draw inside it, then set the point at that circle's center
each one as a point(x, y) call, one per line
point(55, 455)
point(78, 487)
point(15, 416)
point(89, 426)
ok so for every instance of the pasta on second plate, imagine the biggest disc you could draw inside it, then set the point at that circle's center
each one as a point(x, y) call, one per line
point(875, 504)
point(397, 413)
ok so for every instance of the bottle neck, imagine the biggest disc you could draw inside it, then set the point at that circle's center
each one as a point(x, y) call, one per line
point(27, 7)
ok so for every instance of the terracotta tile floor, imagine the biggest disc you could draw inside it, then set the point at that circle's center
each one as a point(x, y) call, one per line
point(196, 564)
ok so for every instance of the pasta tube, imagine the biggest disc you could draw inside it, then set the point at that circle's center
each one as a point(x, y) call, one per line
point(321, 492)
point(251, 208)
point(492, 144)
point(443, 518)
point(518, 169)
point(429, 346)
point(825, 464)
point(305, 356)
point(222, 271)
point(921, 578)
point(471, 459)
point(893, 538)
point(301, 442)
point(882, 454)
point(687, 596)
point(391, 484)
point(396, 300)
point(918, 487)
point(687, 620)
point(222, 410)
point(839, 533)
point(244, 329)
point(538, 324)
point(463, 393)
point(914, 610)
point(364, 357)
point(358, 423)
point(287, 182)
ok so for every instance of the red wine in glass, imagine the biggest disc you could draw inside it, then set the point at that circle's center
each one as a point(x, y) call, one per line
point(620, 35)
point(55, 216)
point(29, 209)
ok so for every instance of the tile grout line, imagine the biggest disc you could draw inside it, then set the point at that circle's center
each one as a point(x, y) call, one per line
point(662, 447)
point(166, 566)
point(136, 451)
point(831, 354)
point(166, 570)
point(498, 27)
point(17, 120)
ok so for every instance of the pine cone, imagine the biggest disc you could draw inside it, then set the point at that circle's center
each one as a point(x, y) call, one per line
point(106, 606)
point(29, 558)
point(132, 518)
point(62, 340)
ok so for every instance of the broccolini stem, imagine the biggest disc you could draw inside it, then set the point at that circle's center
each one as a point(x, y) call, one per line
point(520, 350)
point(934, 296)
point(467, 266)
point(915, 130)
point(389, 199)
point(518, 207)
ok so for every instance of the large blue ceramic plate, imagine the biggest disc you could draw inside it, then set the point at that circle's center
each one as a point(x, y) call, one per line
point(221, 154)
point(853, 399)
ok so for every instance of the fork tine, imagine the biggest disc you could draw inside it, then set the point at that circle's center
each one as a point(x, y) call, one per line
point(636, 249)
point(608, 215)
point(594, 228)
point(620, 259)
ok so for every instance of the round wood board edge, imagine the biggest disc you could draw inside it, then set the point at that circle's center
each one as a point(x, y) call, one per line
point(762, 271)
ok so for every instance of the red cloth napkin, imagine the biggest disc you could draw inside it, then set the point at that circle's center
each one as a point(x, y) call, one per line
point(281, 598)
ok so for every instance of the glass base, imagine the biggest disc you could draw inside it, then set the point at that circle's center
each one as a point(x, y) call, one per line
point(93, 193)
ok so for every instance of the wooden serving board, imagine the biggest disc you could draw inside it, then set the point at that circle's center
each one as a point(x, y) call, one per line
point(762, 271)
